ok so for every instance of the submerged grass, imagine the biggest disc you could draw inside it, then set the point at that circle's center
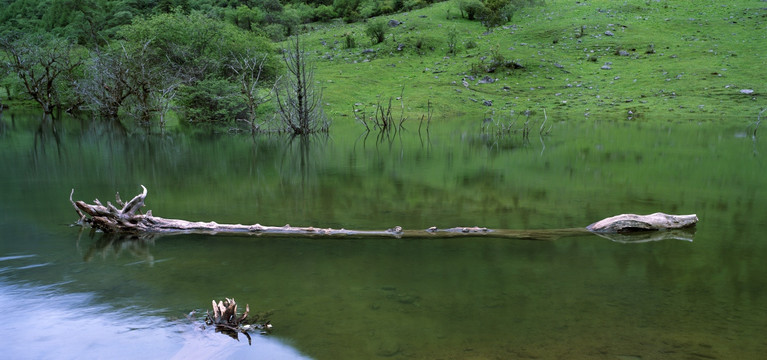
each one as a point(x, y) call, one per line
point(631, 60)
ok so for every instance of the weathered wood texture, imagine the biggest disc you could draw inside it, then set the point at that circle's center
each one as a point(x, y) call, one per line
point(632, 222)
point(227, 321)
point(126, 218)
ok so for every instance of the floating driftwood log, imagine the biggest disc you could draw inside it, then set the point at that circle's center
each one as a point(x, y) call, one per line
point(126, 218)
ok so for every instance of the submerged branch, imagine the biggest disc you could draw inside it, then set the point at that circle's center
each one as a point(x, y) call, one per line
point(125, 221)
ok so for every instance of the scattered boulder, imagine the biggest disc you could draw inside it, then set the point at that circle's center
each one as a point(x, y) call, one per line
point(609, 33)
point(487, 102)
point(486, 80)
point(747, 91)
point(623, 53)
point(394, 23)
point(606, 66)
point(368, 51)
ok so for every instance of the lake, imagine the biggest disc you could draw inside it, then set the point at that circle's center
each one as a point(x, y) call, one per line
point(71, 293)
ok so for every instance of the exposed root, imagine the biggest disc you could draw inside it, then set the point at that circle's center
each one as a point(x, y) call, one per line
point(226, 320)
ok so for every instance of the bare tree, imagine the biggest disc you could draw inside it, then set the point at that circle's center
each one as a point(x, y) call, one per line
point(163, 98)
point(300, 103)
point(5, 71)
point(41, 63)
point(129, 79)
point(149, 77)
point(250, 71)
point(106, 85)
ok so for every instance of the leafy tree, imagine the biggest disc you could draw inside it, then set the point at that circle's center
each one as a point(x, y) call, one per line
point(165, 6)
point(497, 12)
point(324, 13)
point(348, 9)
point(247, 18)
point(183, 57)
point(195, 45)
point(290, 18)
point(471, 9)
point(23, 16)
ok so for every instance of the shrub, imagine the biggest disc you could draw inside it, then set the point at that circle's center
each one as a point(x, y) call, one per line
point(422, 42)
point(211, 100)
point(492, 63)
point(376, 29)
point(349, 42)
point(276, 32)
point(452, 40)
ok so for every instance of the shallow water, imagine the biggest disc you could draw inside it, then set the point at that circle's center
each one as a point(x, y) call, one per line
point(69, 293)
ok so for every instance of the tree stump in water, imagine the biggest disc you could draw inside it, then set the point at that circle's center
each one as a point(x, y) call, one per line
point(125, 218)
point(227, 321)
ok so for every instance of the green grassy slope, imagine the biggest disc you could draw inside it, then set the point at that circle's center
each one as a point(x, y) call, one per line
point(680, 60)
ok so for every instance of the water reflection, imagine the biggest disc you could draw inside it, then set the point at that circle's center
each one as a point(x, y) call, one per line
point(42, 322)
point(47, 133)
point(4, 127)
point(577, 297)
point(686, 234)
point(114, 245)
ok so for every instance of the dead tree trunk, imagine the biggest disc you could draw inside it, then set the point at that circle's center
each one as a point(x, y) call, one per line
point(125, 218)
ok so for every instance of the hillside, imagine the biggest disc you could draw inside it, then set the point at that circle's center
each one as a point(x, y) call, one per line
point(636, 60)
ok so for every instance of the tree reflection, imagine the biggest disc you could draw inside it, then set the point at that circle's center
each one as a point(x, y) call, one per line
point(112, 244)
point(47, 133)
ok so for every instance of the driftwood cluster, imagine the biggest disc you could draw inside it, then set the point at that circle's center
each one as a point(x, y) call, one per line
point(226, 320)
point(126, 218)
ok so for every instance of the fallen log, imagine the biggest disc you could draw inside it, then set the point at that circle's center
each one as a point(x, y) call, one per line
point(126, 218)
point(632, 222)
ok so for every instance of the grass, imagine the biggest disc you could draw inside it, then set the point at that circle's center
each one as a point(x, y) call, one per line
point(667, 60)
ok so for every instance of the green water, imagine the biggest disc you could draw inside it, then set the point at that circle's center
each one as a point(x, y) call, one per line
point(576, 297)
